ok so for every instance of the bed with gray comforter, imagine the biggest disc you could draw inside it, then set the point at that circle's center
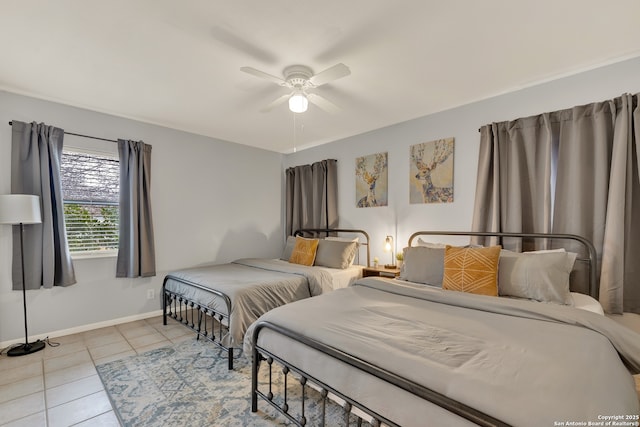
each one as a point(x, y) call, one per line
point(253, 286)
point(518, 362)
point(220, 301)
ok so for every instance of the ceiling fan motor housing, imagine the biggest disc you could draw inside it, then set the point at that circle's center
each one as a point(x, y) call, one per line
point(303, 82)
point(298, 76)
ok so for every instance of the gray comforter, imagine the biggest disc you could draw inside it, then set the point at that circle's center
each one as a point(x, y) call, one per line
point(254, 287)
point(522, 362)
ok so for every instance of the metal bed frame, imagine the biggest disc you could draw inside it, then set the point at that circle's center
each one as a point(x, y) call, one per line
point(362, 413)
point(212, 324)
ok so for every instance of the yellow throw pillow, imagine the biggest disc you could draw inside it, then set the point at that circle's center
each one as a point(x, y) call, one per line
point(472, 270)
point(304, 252)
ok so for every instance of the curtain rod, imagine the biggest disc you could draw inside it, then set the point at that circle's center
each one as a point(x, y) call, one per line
point(83, 136)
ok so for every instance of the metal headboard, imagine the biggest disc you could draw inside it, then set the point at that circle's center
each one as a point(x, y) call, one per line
point(587, 246)
point(330, 231)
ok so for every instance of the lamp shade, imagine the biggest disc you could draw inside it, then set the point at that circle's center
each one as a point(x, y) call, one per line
point(19, 209)
point(298, 103)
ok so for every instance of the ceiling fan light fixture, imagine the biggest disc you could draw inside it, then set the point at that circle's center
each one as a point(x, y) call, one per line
point(298, 103)
point(300, 78)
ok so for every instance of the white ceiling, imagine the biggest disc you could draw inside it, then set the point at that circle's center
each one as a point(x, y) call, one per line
point(176, 63)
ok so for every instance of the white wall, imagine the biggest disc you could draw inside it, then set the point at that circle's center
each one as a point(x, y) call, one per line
point(400, 218)
point(212, 201)
point(210, 194)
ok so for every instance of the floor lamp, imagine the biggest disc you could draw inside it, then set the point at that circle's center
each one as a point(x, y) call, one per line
point(21, 209)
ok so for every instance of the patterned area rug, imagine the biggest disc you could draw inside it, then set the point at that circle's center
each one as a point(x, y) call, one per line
point(188, 384)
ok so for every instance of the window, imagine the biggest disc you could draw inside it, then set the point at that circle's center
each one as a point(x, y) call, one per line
point(91, 191)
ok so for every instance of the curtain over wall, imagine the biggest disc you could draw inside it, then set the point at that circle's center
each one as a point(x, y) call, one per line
point(35, 169)
point(312, 196)
point(136, 250)
point(570, 171)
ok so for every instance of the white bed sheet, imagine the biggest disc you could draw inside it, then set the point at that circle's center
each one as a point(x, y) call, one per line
point(340, 277)
point(344, 277)
point(578, 300)
point(585, 302)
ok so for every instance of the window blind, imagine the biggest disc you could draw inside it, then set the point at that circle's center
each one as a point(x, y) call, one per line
point(91, 191)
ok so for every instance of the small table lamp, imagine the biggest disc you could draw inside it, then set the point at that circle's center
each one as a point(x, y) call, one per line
point(21, 209)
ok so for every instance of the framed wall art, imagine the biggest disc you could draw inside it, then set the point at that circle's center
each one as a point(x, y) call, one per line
point(372, 181)
point(431, 172)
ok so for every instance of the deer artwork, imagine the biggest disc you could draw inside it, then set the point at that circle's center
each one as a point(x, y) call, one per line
point(442, 150)
point(370, 178)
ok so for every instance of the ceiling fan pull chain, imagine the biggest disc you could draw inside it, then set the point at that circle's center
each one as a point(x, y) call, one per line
point(294, 132)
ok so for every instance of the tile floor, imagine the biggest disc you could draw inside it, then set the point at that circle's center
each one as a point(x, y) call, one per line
point(59, 386)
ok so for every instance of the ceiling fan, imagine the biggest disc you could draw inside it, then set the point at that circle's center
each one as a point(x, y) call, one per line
point(301, 80)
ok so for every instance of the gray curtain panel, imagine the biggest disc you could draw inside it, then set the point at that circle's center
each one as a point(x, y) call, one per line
point(570, 171)
point(136, 250)
point(36, 150)
point(312, 196)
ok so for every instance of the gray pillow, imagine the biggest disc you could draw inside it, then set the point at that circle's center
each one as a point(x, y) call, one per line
point(423, 265)
point(288, 248)
point(541, 276)
point(335, 253)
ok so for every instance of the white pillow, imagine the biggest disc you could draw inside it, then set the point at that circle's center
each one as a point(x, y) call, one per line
point(441, 245)
point(430, 244)
point(539, 275)
point(342, 239)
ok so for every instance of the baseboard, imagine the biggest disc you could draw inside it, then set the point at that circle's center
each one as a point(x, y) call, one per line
point(83, 328)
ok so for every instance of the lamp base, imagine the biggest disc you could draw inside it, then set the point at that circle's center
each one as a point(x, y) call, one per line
point(28, 348)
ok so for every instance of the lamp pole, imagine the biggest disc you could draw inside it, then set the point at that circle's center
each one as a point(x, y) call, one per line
point(21, 209)
point(25, 348)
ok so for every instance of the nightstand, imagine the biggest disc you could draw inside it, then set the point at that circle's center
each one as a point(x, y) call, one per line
point(380, 272)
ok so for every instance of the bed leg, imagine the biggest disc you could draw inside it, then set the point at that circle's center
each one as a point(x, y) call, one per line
point(164, 309)
point(254, 381)
point(164, 302)
point(347, 411)
point(231, 358)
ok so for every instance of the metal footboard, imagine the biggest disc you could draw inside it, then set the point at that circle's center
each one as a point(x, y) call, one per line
point(351, 408)
point(209, 323)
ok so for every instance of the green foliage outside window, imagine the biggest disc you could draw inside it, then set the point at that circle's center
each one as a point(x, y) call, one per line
point(91, 227)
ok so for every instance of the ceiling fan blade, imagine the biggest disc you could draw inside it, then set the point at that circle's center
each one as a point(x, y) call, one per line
point(333, 73)
point(323, 103)
point(263, 75)
point(278, 101)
